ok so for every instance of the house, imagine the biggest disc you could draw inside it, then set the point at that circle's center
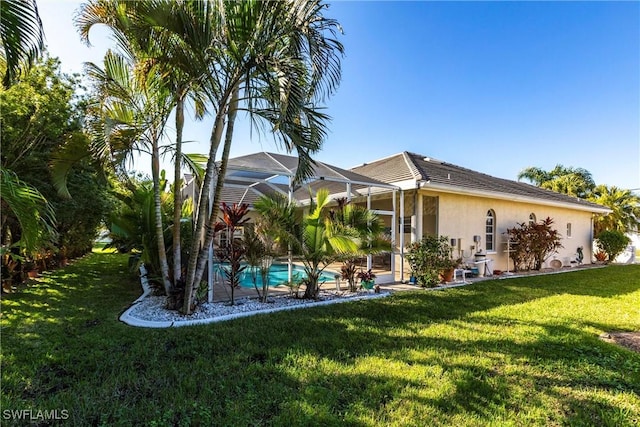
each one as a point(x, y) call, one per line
point(475, 210)
point(415, 195)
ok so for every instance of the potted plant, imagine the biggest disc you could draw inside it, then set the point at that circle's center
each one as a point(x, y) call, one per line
point(429, 257)
point(367, 279)
point(447, 267)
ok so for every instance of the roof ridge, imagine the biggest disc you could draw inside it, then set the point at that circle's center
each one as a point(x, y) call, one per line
point(416, 171)
point(375, 161)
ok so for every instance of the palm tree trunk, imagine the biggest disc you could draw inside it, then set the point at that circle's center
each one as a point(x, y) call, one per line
point(202, 207)
point(162, 252)
point(311, 290)
point(231, 118)
point(177, 193)
point(195, 267)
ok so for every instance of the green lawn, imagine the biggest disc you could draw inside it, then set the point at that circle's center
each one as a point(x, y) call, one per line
point(506, 352)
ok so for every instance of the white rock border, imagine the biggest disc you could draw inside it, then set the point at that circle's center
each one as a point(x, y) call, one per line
point(128, 316)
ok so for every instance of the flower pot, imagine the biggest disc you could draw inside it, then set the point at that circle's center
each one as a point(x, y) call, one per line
point(32, 274)
point(368, 284)
point(446, 275)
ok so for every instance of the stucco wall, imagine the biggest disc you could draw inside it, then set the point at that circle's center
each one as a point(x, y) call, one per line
point(462, 217)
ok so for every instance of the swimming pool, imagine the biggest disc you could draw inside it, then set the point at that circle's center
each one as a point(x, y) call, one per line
point(278, 274)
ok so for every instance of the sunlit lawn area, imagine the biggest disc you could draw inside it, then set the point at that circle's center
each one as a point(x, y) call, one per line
point(504, 352)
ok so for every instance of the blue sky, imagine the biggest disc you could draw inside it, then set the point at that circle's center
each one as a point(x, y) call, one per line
point(491, 86)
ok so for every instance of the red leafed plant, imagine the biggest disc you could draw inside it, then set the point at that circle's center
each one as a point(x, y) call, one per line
point(233, 250)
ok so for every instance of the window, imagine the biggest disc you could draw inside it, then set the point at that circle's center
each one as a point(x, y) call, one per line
point(568, 229)
point(532, 218)
point(490, 231)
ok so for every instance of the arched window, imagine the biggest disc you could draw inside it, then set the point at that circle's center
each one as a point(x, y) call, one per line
point(490, 231)
point(532, 218)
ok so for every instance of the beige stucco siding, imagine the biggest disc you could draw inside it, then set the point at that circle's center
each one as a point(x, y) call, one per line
point(462, 217)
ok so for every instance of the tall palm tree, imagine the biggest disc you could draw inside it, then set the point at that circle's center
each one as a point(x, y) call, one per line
point(134, 112)
point(171, 38)
point(21, 35)
point(624, 204)
point(276, 61)
point(144, 30)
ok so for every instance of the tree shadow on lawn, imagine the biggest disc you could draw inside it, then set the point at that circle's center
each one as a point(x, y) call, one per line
point(85, 290)
point(276, 369)
point(563, 371)
point(562, 362)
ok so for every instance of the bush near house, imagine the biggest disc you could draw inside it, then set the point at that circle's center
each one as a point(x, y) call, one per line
point(428, 257)
point(532, 243)
point(612, 242)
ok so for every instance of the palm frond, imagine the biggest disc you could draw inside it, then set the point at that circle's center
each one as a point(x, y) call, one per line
point(21, 35)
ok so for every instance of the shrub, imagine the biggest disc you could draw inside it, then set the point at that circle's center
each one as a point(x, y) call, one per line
point(428, 257)
point(612, 242)
point(532, 243)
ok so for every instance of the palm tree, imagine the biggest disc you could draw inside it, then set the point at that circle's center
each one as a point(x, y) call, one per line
point(369, 229)
point(576, 182)
point(133, 118)
point(21, 35)
point(35, 216)
point(147, 31)
point(624, 204)
point(320, 240)
point(275, 62)
point(535, 175)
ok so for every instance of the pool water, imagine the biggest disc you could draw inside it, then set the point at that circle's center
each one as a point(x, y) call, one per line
point(278, 274)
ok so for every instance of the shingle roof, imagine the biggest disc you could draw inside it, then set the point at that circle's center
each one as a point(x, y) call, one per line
point(449, 177)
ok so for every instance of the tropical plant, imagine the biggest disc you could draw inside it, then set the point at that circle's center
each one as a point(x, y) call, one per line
point(232, 251)
point(148, 30)
point(319, 240)
point(132, 225)
point(132, 115)
point(625, 206)
point(600, 255)
point(576, 182)
point(34, 217)
point(612, 242)
point(532, 243)
point(21, 36)
point(275, 60)
point(366, 276)
point(370, 231)
point(428, 257)
point(255, 253)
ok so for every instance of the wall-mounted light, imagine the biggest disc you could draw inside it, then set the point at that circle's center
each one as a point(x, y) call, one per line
point(476, 238)
point(454, 242)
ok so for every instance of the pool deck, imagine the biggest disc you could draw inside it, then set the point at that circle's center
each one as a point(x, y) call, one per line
point(222, 292)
